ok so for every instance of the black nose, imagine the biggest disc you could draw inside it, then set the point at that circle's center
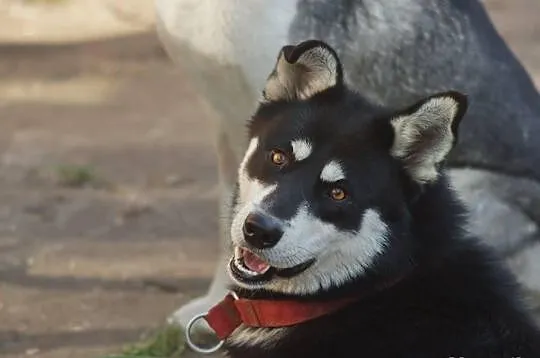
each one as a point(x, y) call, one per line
point(262, 231)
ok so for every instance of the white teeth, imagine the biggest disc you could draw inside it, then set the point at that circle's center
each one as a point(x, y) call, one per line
point(237, 253)
point(239, 263)
point(244, 269)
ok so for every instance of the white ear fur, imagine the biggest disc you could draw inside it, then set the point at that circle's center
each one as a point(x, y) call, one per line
point(302, 71)
point(424, 137)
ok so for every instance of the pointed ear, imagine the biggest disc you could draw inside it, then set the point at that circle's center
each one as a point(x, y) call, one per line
point(302, 71)
point(426, 132)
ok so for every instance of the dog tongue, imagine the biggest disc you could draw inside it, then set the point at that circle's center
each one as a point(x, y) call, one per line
point(254, 262)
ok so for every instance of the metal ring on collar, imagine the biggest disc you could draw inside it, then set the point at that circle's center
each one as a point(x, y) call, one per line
point(192, 344)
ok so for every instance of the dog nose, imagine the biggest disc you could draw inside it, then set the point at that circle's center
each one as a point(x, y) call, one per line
point(262, 231)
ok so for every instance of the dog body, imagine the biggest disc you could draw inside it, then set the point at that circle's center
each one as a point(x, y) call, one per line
point(442, 312)
point(339, 197)
point(393, 53)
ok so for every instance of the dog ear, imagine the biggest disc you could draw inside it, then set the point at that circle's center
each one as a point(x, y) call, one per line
point(426, 132)
point(302, 71)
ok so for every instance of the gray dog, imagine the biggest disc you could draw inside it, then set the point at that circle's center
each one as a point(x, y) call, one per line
point(394, 52)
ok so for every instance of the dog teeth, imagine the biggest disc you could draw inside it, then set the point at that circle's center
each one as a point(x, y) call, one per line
point(239, 263)
point(237, 253)
point(245, 270)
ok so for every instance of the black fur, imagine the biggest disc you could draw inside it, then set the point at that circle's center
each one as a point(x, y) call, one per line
point(452, 298)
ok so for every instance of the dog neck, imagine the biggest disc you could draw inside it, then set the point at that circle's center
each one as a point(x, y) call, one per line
point(233, 311)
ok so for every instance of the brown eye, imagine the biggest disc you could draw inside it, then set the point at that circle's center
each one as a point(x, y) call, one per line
point(278, 157)
point(338, 194)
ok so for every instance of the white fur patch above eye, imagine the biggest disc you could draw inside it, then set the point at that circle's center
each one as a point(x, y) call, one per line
point(301, 149)
point(332, 172)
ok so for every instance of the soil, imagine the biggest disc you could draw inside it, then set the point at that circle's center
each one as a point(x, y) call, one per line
point(90, 264)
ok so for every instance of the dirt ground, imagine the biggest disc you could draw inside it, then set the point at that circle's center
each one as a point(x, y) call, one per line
point(85, 269)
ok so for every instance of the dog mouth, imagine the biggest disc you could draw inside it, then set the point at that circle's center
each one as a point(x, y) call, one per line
point(247, 267)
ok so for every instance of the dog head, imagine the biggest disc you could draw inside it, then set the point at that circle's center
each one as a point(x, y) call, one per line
point(325, 182)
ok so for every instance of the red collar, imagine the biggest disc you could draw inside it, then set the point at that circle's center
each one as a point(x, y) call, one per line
point(230, 313)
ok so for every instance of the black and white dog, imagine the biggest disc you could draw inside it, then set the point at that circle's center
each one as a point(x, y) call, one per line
point(395, 52)
point(340, 197)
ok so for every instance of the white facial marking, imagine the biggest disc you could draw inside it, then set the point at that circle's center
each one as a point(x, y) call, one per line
point(258, 192)
point(248, 186)
point(251, 196)
point(252, 147)
point(301, 149)
point(340, 255)
point(332, 172)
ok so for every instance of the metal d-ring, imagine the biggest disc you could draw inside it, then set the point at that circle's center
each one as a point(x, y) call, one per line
point(192, 344)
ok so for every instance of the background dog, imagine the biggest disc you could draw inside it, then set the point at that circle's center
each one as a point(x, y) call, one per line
point(395, 53)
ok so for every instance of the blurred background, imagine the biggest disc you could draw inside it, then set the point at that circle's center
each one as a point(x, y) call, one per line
point(108, 191)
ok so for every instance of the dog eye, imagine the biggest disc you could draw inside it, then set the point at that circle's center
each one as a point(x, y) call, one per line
point(338, 194)
point(278, 157)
